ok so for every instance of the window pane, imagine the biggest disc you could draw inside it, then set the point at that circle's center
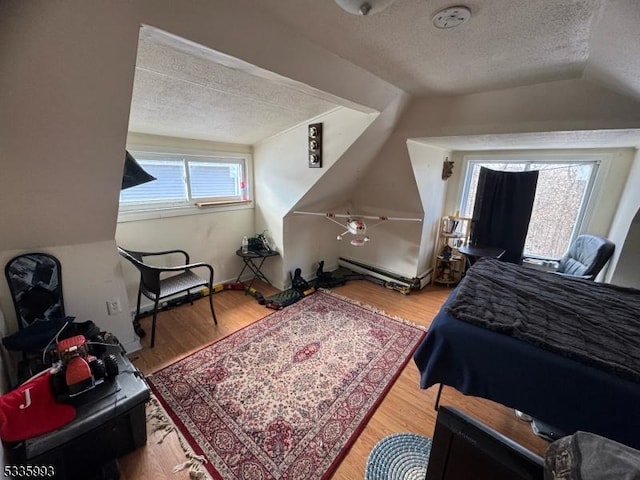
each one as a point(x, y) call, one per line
point(211, 180)
point(186, 179)
point(560, 193)
point(169, 186)
point(560, 196)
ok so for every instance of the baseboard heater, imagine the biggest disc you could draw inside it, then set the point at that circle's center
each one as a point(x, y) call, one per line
point(415, 283)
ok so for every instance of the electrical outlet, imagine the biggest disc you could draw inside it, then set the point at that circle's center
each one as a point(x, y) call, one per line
point(113, 306)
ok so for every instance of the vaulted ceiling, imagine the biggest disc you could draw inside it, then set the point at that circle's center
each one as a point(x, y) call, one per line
point(184, 90)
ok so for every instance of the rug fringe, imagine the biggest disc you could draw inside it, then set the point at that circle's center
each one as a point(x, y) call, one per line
point(372, 308)
point(158, 420)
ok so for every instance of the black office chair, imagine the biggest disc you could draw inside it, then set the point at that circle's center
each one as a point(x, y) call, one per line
point(35, 283)
point(156, 288)
point(586, 256)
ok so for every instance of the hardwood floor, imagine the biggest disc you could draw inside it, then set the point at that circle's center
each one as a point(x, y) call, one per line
point(406, 408)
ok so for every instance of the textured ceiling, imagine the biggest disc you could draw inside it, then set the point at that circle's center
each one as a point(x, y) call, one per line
point(506, 43)
point(549, 140)
point(187, 91)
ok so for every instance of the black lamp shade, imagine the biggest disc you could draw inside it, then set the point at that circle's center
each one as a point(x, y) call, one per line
point(133, 173)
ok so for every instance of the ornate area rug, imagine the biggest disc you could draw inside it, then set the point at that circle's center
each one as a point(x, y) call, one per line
point(285, 397)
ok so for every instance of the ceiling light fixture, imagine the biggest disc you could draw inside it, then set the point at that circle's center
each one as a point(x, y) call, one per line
point(451, 17)
point(363, 7)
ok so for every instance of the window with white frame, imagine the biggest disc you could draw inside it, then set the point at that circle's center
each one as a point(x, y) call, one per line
point(564, 186)
point(186, 180)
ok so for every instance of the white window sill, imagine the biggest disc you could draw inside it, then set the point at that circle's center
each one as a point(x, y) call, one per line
point(541, 264)
point(136, 215)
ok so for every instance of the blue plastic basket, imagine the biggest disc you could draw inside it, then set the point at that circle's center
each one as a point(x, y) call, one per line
point(401, 456)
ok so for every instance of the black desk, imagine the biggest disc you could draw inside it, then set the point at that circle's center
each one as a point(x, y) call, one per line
point(110, 422)
point(474, 252)
point(253, 260)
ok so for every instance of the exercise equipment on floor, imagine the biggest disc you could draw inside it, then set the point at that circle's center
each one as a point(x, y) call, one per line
point(300, 289)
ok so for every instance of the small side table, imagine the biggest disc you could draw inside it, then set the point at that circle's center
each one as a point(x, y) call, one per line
point(448, 270)
point(253, 260)
point(473, 253)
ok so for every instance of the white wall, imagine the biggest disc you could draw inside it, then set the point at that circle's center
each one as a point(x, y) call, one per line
point(626, 272)
point(91, 275)
point(68, 69)
point(405, 181)
point(392, 183)
point(389, 188)
point(566, 105)
point(66, 90)
point(427, 167)
point(283, 177)
point(337, 191)
point(135, 139)
point(625, 232)
point(393, 246)
point(556, 106)
point(65, 94)
point(310, 239)
point(211, 236)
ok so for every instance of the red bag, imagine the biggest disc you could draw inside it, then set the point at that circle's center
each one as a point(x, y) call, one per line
point(31, 410)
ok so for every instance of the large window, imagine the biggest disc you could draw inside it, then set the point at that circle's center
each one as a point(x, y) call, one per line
point(186, 181)
point(559, 206)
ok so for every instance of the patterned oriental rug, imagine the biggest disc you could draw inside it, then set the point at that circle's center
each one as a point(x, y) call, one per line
point(285, 397)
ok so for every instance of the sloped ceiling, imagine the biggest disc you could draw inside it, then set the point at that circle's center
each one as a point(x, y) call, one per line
point(527, 141)
point(502, 45)
point(184, 90)
point(506, 43)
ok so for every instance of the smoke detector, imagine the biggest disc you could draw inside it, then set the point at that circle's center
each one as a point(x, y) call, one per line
point(451, 17)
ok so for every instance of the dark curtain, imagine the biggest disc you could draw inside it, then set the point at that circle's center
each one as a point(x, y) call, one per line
point(502, 211)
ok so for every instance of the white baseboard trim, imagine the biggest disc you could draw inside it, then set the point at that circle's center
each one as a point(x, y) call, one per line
point(425, 279)
point(132, 346)
point(376, 273)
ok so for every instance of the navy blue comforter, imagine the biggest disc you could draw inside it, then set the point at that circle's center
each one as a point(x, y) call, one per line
point(569, 394)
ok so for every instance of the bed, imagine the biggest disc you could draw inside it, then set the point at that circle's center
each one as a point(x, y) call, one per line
point(592, 385)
